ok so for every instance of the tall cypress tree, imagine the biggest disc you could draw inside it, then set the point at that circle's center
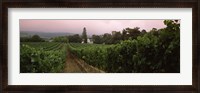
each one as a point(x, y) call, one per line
point(84, 35)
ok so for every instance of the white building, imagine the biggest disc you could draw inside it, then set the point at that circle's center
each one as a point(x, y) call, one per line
point(89, 41)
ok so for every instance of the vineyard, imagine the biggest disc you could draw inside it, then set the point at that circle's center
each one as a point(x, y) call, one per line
point(52, 57)
point(157, 51)
point(152, 52)
point(42, 57)
point(146, 54)
point(93, 54)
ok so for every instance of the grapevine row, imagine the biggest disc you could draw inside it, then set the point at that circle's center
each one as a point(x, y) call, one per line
point(37, 60)
point(150, 53)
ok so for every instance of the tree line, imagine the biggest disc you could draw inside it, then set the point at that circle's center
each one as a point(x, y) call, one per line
point(34, 38)
point(106, 38)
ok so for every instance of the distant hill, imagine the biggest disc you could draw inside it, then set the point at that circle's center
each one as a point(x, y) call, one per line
point(44, 34)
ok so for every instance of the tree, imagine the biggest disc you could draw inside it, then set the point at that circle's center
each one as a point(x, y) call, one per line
point(75, 38)
point(116, 37)
point(84, 35)
point(154, 31)
point(124, 34)
point(143, 31)
point(97, 39)
point(107, 38)
point(134, 33)
point(172, 25)
point(36, 38)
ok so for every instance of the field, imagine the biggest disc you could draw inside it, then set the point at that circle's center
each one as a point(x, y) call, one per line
point(129, 51)
point(146, 54)
point(130, 56)
point(42, 57)
point(52, 57)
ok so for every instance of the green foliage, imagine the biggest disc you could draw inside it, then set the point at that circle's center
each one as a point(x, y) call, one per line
point(97, 39)
point(157, 51)
point(62, 39)
point(74, 38)
point(34, 38)
point(93, 54)
point(133, 33)
point(107, 38)
point(41, 59)
point(116, 37)
point(131, 51)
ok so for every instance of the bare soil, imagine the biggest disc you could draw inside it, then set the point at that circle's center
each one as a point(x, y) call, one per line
point(71, 65)
point(75, 65)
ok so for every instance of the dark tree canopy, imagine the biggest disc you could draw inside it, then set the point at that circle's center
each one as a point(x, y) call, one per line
point(116, 37)
point(34, 38)
point(97, 39)
point(107, 38)
point(84, 35)
point(75, 38)
point(133, 33)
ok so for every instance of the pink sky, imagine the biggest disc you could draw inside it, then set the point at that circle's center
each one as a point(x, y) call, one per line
point(92, 26)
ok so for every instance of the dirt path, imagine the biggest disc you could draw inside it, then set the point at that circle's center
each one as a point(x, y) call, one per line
point(75, 65)
point(71, 65)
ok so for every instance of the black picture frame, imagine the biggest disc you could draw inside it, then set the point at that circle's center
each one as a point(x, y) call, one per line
point(194, 4)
